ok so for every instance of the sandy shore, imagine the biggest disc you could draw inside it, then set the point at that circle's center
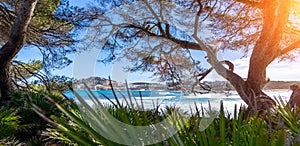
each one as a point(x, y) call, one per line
point(277, 90)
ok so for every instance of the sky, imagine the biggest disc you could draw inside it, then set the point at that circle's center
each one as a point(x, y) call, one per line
point(85, 65)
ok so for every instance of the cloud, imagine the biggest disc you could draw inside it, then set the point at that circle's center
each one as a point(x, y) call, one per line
point(282, 71)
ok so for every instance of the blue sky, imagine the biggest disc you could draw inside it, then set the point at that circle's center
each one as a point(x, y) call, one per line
point(85, 64)
point(79, 2)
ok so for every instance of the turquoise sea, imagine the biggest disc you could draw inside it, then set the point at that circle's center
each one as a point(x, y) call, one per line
point(186, 102)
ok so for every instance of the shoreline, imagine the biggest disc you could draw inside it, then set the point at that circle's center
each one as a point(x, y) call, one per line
point(277, 90)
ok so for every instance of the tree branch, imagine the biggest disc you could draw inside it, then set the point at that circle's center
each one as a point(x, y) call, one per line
point(204, 74)
point(251, 3)
point(228, 74)
point(182, 43)
point(291, 47)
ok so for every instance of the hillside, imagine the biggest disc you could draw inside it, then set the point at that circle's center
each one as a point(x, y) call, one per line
point(100, 83)
point(280, 84)
point(103, 83)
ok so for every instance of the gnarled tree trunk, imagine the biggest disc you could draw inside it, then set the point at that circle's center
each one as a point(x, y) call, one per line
point(13, 46)
point(266, 49)
point(251, 90)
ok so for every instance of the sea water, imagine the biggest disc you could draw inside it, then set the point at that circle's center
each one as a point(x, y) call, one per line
point(150, 99)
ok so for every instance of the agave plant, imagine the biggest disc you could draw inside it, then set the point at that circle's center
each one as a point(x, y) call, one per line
point(20, 124)
point(290, 119)
point(132, 126)
point(118, 124)
point(9, 122)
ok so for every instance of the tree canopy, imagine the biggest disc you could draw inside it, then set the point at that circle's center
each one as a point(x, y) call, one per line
point(145, 31)
point(49, 26)
point(46, 30)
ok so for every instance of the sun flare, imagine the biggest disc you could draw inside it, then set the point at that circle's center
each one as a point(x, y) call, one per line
point(296, 6)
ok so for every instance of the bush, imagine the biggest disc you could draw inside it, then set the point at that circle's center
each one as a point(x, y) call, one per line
point(20, 123)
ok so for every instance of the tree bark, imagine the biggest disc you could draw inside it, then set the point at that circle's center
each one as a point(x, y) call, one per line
point(256, 81)
point(14, 44)
point(294, 101)
point(5, 83)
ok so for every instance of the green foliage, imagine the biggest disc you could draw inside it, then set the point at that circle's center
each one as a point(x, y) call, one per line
point(52, 29)
point(34, 123)
point(290, 119)
point(45, 27)
point(26, 120)
point(85, 125)
point(44, 13)
point(9, 122)
point(45, 18)
point(53, 84)
point(20, 124)
point(194, 129)
point(22, 72)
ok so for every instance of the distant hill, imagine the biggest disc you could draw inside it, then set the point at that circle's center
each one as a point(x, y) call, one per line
point(99, 83)
point(91, 82)
point(280, 84)
point(103, 83)
point(224, 85)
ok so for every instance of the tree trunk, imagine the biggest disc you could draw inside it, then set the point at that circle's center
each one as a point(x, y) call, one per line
point(266, 49)
point(5, 83)
point(255, 83)
point(251, 89)
point(251, 92)
point(294, 101)
point(14, 44)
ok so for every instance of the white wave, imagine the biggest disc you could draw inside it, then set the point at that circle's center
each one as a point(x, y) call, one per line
point(155, 97)
point(163, 93)
point(210, 95)
point(185, 103)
